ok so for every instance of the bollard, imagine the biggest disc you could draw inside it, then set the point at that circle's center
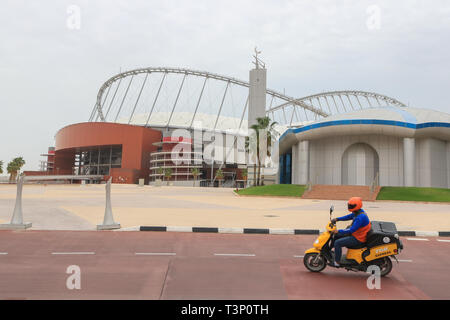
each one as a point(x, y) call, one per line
point(17, 217)
point(108, 220)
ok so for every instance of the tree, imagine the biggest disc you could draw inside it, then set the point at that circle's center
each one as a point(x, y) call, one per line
point(1, 166)
point(168, 174)
point(263, 125)
point(244, 173)
point(195, 173)
point(14, 167)
point(219, 175)
point(255, 127)
point(160, 171)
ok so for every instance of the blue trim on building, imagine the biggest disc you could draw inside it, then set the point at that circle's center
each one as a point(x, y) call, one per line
point(367, 121)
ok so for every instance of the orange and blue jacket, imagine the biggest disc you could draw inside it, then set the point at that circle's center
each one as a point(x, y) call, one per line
point(360, 226)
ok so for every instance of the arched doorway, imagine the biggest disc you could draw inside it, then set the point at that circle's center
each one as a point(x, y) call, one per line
point(360, 165)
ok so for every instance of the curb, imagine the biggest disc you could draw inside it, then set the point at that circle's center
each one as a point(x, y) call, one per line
point(276, 231)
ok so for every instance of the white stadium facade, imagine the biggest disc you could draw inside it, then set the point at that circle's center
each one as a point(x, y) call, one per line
point(397, 145)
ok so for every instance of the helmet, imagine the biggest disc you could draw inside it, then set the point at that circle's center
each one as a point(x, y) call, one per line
point(354, 204)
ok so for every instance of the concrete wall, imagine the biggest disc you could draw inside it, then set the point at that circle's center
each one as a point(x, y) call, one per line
point(432, 159)
point(448, 164)
point(326, 158)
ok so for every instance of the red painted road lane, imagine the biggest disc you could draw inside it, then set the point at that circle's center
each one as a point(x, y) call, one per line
point(224, 278)
point(184, 244)
point(101, 278)
point(30, 270)
point(430, 269)
point(340, 284)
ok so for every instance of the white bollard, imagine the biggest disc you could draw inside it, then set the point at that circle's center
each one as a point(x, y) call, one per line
point(108, 220)
point(17, 217)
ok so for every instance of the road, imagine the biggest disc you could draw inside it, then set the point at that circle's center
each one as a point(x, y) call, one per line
point(172, 265)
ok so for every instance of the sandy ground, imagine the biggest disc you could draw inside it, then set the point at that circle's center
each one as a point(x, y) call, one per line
point(81, 207)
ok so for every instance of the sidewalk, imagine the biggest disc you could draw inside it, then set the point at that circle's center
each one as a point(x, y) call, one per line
point(76, 207)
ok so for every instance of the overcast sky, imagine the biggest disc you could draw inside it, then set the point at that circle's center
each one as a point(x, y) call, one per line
point(52, 65)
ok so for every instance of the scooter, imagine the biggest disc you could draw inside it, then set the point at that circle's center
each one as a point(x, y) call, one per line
point(383, 243)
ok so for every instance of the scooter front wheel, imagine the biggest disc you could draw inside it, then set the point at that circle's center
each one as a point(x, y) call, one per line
point(314, 262)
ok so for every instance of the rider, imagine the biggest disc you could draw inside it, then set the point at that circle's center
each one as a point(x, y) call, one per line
point(356, 233)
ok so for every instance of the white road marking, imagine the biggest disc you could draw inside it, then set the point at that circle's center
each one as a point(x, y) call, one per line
point(442, 240)
point(3, 253)
point(61, 253)
point(417, 239)
point(404, 260)
point(235, 254)
point(155, 254)
point(299, 256)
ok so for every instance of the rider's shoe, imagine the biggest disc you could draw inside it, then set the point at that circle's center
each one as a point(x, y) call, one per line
point(344, 262)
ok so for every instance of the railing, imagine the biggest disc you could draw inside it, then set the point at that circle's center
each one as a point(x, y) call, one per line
point(375, 183)
point(309, 185)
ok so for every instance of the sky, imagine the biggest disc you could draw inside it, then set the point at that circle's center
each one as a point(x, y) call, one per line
point(55, 55)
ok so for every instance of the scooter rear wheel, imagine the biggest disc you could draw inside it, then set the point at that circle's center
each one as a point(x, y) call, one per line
point(385, 265)
point(313, 264)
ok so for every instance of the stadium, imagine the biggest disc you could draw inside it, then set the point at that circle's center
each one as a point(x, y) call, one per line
point(341, 138)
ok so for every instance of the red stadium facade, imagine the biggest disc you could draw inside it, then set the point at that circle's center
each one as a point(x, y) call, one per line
point(100, 148)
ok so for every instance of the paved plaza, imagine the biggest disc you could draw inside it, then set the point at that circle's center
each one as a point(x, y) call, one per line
point(81, 207)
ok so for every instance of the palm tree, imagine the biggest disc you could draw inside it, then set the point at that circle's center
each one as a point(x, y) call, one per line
point(195, 173)
point(14, 166)
point(219, 175)
point(264, 124)
point(160, 171)
point(255, 127)
point(168, 174)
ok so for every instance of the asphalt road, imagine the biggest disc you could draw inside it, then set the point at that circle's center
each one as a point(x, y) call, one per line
point(171, 265)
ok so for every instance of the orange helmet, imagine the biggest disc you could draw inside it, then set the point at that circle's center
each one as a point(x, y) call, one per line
point(354, 204)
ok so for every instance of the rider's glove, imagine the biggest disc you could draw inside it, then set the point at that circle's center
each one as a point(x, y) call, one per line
point(333, 221)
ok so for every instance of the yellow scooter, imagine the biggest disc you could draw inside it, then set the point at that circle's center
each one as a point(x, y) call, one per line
point(382, 243)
